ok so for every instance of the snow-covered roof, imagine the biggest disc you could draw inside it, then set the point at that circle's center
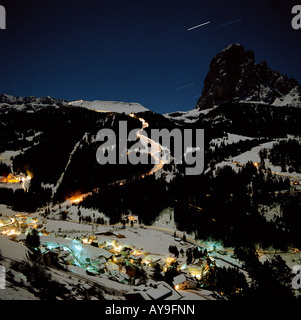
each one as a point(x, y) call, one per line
point(137, 295)
point(179, 279)
point(112, 266)
point(160, 292)
point(105, 253)
point(134, 256)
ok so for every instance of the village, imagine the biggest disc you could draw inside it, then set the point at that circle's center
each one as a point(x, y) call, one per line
point(16, 181)
point(130, 260)
point(109, 253)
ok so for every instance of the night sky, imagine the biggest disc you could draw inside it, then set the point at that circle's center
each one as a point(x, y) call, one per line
point(137, 50)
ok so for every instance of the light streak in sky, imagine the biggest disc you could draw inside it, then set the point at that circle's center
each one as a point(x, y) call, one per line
point(187, 85)
point(199, 25)
point(227, 23)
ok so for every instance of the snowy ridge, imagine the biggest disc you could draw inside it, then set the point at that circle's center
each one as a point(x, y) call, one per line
point(31, 104)
point(292, 99)
point(229, 139)
point(28, 104)
point(109, 106)
point(190, 116)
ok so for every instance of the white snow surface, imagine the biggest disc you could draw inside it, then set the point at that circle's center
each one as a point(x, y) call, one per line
point(243, 158)
point(190, 116)
point(12, 249)
point(253, 155)
point(231, 138)
point(7, 211)
point(110, 106)
point(292, 99)
point(6, 156)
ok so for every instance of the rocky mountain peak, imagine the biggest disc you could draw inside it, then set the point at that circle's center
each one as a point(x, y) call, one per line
point(235, 76)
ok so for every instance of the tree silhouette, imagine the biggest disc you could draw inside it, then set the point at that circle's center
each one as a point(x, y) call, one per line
point(32, 240)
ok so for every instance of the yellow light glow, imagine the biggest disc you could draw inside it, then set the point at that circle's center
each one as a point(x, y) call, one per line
point(10, 232)
point(29, 175)
point(11, 179)
point(76, 199)
point(170, 260)
point(86, 241)
point(118, 248)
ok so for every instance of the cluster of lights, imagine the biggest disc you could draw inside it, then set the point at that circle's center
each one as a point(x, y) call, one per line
point(10, 232)
point(197, 275)
point(14, 179)
point(117, 247)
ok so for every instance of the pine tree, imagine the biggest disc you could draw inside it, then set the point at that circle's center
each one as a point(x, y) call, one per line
point(157, 276)
point(32, 240)
point(182, 252)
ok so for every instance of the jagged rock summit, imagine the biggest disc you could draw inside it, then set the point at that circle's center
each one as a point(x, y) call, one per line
point(235, 76)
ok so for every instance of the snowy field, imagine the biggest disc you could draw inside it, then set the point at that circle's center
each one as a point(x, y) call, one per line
point(7, 211)
point(6, 156)
point(149, 240)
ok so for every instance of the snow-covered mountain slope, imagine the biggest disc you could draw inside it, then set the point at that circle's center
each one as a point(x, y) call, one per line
point(32, 104)
point(253, 155)
point(28, 104)
point(110, 106)
point(190, 116)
